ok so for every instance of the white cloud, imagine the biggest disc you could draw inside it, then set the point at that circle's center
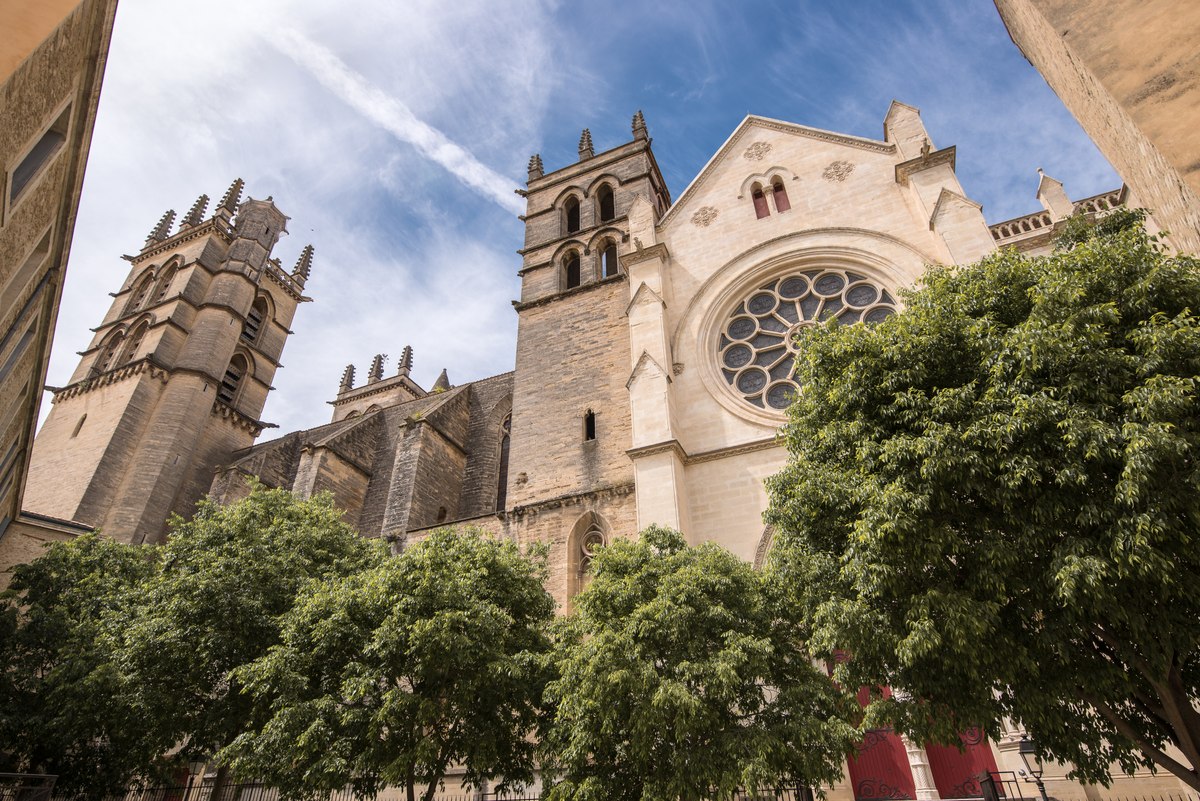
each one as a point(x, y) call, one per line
point(395, 117)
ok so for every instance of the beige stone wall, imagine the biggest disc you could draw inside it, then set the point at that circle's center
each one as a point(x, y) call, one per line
point(1129, 70)
point(83, 431)
point(559, 524)
point(154, 425)
point(51, 63)
point(572, 356)
point(881, 209)
point(727, 497)
point(25, 539)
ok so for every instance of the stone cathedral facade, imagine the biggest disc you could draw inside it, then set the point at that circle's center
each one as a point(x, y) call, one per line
point(653, 366)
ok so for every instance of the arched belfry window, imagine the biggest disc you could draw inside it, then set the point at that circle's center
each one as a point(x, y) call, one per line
point(571, 214)
point(140, 293)
point(254, 321)
point(235, 373)
point(608, 258)
point(164, 283)
point(502, 478)
point(108, 352)
point(760, 201)
point(571, 272)
point(606, 203)
point(135, 342)
point(781, 198)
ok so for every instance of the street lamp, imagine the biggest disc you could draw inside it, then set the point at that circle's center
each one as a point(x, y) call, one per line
point(1033, 763)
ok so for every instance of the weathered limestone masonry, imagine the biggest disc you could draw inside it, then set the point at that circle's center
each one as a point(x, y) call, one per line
point(177, 374)
point(52, 58)
point(655, 348)
point(571, 480)
point(1129, 70)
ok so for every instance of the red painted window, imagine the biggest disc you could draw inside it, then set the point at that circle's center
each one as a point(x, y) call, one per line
point(781, 198)
point(760, 202)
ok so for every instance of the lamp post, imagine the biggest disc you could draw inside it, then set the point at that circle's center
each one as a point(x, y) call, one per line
point(1033, 763)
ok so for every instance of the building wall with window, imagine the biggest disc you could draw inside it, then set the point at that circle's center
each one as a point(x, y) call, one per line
point(177, 373)
point(52, 57)
point(653, 365)
point(1129, 70)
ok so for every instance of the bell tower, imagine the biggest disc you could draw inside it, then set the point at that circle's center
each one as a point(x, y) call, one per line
point(176, 376)
point(570, 481)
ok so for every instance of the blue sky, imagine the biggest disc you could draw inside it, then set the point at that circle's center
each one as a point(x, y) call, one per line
point(393, 134)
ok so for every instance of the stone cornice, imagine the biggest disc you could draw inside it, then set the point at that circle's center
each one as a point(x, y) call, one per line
point(581, 235)
point(597, 161)
point(271, 268)
point(186, 235)
point(673, 445)
point(571, 499)
point(569, 293)
point(906, 169)
point(145, 364)
point(377, 388)
point(243, 421)
point(641, 254)
point(142, 365)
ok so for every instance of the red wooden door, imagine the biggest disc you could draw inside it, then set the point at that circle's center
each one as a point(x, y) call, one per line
point(879, 770)
point(956, 773)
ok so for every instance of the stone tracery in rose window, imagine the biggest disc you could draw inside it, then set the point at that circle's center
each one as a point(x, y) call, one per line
point(592, 540)
point(757, 345)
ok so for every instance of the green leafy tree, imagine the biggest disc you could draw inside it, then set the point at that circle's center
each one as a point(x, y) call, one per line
point(388, 677)
point(62, 697)
point(683, 676)
point(229, 578)
point(992, 502)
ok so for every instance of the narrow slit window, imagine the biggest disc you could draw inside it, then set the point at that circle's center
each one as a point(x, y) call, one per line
point(589, 426)
point(760, 202)
point(781, 198)
point(607, 203)
point(611, 266)
point(78, 427)
point(572, 271)
point(572, 213)
point(39, 157)
point(442, 514)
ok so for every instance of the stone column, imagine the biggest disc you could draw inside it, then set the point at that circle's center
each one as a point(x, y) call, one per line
point(918, 762)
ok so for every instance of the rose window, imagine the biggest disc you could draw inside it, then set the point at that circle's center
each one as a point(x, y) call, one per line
point(758, 343)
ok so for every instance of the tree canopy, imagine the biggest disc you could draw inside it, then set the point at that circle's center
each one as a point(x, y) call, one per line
point(992, 498)
point(229, 577)
point(58, 676)
point(116, 661)
point(682, 676)
point(433, 658)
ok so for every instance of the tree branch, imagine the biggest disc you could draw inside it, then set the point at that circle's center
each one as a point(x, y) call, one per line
point(1155, 754)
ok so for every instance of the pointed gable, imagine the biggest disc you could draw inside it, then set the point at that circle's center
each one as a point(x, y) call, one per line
point(743, 144)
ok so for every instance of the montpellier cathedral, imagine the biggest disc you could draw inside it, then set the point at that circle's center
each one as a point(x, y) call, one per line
point(653, 367)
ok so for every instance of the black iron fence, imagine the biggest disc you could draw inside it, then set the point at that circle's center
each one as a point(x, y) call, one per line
point(26, 787)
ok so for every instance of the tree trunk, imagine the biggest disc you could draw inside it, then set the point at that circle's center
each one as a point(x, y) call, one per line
point(219, 784)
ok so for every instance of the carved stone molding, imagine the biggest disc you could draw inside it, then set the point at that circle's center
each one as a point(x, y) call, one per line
point(704, 216)
point(838, 171)
point(757, 150)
